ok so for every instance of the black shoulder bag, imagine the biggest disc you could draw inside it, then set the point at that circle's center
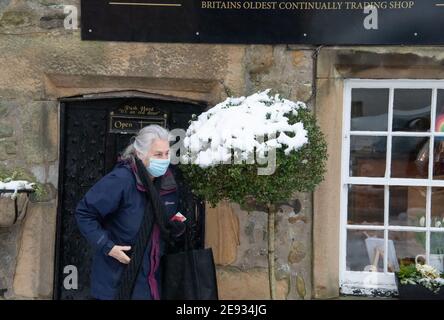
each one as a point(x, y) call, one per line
point(189, 275)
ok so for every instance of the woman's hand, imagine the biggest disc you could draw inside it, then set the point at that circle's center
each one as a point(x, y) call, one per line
point(118, 253)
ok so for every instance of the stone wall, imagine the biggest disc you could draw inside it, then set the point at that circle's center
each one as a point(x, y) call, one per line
point(293, 253)
point(42, 62)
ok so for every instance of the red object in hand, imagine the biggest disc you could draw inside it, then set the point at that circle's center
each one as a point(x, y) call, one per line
point(178, 217)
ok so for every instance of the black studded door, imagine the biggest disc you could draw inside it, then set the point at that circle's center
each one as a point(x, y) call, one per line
point(93, 134)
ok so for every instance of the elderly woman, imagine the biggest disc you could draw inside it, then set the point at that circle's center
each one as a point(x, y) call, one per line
point(128, 216)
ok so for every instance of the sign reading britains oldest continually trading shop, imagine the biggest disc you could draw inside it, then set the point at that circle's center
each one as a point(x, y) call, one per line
point(265, 22)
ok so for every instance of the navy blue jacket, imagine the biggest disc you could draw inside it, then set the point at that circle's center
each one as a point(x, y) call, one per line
point(110, 214)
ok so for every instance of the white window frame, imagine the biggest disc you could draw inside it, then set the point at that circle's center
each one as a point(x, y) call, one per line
point(357, 282)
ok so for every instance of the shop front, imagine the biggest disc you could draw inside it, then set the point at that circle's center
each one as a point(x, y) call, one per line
point(383, 190)
point(70, 100)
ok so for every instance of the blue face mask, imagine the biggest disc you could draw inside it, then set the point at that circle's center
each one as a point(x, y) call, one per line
point(158, 167)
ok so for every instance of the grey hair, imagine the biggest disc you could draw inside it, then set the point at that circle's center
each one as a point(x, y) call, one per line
point(144, 139)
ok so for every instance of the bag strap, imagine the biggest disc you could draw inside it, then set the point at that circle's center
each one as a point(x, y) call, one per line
point(131, 271)
point(187, 245)
point(154, 204)
point(193, 208)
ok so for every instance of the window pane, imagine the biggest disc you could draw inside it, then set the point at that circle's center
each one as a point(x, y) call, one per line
point(437, 208)
point(407, 246)
point(436, 258)
point(366, 204)
point(369, 109)
point(411, 109)
point(368, 156)
point(407, 206)
point(437, 243)
point(410, 157)
point(438, 158)
point(362, 250)
point(439, 122)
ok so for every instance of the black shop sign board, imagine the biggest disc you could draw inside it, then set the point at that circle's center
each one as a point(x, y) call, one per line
point(410, 22)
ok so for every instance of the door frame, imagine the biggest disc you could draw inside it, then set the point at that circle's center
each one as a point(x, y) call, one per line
point(62, 127)
point(62, 114)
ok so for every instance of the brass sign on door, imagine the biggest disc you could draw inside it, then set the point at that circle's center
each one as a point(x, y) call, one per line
point(129, 119)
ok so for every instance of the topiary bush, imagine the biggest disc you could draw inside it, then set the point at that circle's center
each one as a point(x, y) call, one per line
point(223, 147)
point(298, 171)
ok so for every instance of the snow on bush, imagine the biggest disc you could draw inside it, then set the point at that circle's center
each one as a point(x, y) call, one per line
point(240, 124)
